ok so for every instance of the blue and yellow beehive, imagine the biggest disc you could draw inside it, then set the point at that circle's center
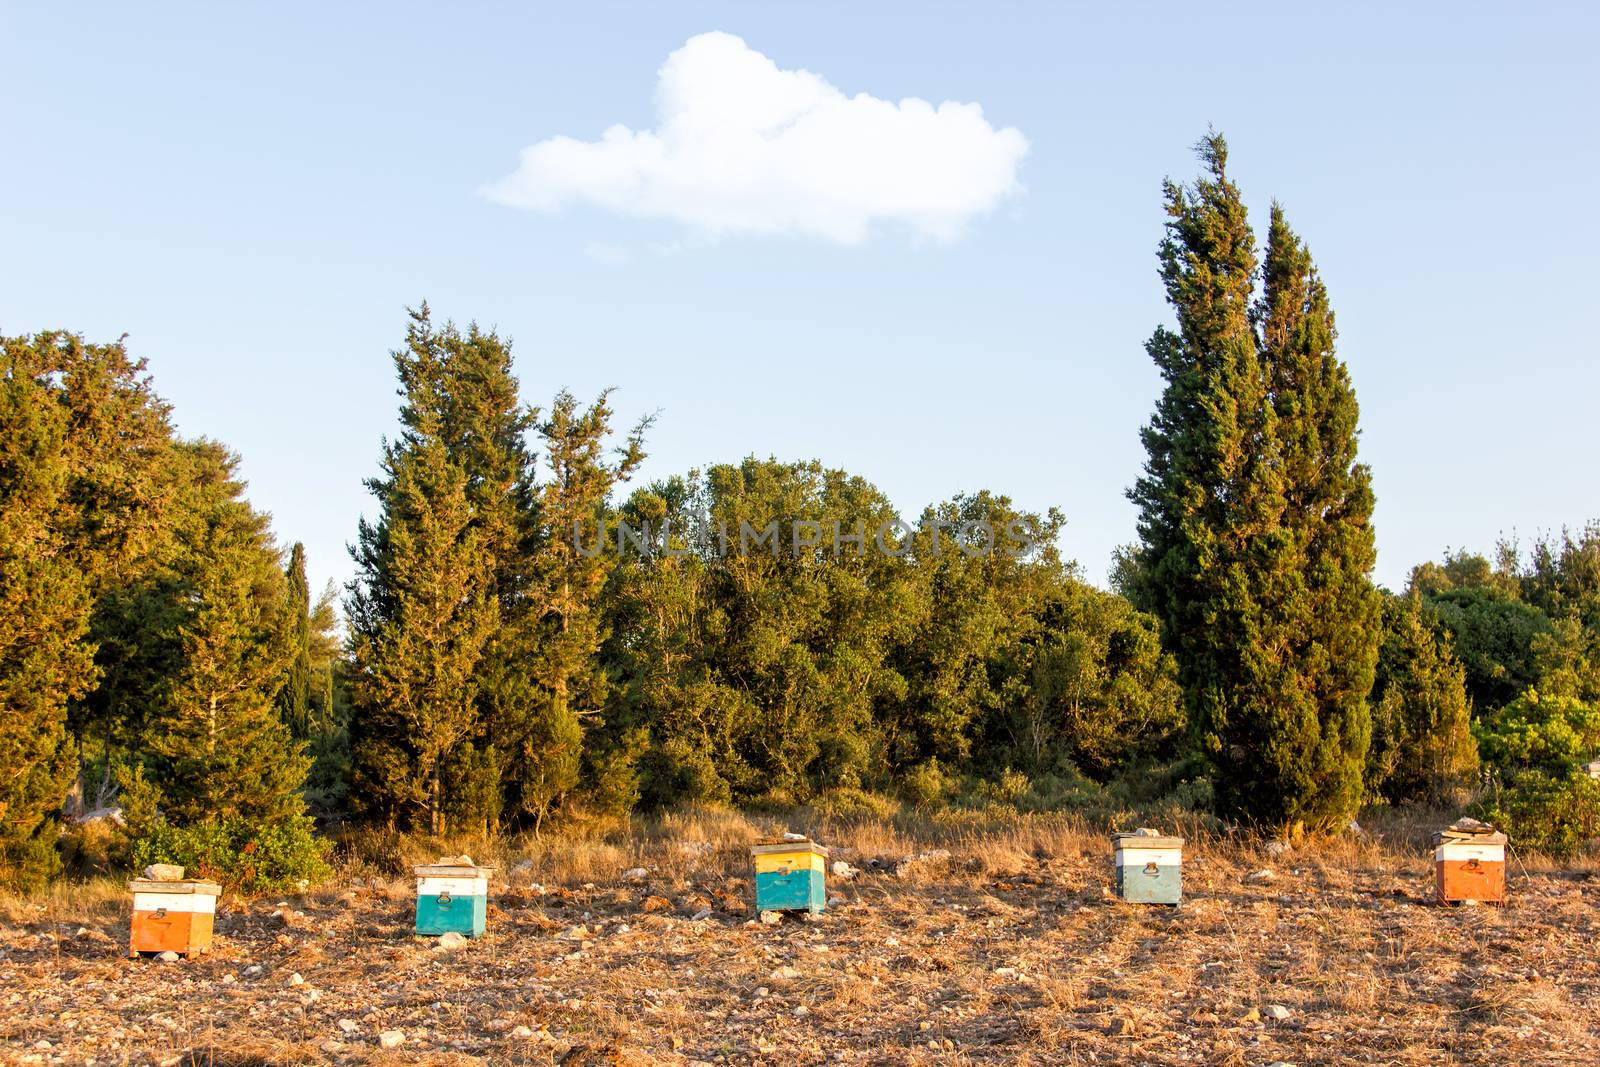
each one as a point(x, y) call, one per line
point(452, 897)
point(791, 875)
point(1149, 867)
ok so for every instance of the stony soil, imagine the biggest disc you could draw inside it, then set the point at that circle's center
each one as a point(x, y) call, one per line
point(1008, 951)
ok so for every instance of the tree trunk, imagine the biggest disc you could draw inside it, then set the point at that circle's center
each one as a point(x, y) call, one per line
point(433, 802)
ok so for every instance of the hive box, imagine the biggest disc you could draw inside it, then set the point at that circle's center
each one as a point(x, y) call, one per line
point(172, 916)
point(452, 898)
point(1149, 868)
point(1470, 866)
point(790, 876)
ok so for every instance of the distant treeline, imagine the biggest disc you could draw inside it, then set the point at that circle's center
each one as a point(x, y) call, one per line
point(503, 667)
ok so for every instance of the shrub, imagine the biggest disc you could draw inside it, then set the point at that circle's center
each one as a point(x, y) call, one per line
point(242, 856)
point(926, 785)
point(1540, 731)
point(849, 802)
point(1555, 814)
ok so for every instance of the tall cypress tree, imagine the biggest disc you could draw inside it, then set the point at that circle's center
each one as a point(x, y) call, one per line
point(565, 621)
point(420, 608)
point(485, 427)
point(1254, 518)
point(294, 699)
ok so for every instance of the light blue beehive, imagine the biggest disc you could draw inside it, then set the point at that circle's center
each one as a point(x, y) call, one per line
point(1149, 867)
point(452, 897)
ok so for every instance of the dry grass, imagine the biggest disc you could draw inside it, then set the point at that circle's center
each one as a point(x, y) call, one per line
point(1007, 951)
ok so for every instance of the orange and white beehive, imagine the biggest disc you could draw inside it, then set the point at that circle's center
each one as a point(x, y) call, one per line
point(172, 915)
point(1469, 863)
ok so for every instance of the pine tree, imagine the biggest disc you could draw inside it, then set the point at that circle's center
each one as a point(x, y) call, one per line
point(1254, 518)
point(45, 660)
point(217, 745)
point(421, 609)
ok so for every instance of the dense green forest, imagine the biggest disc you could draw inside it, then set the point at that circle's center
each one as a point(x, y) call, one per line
point(517, 652)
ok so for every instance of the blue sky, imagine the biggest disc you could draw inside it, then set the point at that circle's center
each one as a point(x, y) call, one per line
point(255, 195)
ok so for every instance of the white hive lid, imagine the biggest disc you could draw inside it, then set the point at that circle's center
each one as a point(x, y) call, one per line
point(452, 870)
point(1144, 837)
point(150, 885)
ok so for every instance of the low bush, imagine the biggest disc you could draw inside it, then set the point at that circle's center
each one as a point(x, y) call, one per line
point(1551, 813)
point(243, 857)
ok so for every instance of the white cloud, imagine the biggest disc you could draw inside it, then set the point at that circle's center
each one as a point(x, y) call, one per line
point(744, 147)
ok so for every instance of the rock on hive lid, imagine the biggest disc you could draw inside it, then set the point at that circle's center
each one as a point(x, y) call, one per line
point(1144, 837)
point(1470, 831)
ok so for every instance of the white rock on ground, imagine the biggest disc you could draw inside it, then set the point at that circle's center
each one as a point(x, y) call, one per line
point(450, 939)
point(1278, 1012)
point(391, 1038)
point(635, 874)
point(168, 956)
point(771, 918)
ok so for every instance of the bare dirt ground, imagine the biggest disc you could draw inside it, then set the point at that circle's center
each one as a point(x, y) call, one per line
point(1009, 950)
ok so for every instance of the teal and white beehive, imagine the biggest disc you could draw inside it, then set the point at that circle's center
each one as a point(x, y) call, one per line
point(1149, 867)
point(790, 875)
point(452, 897)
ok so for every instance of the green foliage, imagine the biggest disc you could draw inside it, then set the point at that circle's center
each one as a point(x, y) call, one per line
point(1541, 796)
point(294, 698)
point(614, 776)
point(1422, 744)
point(1254, 515)
point(802, 672)
point(44, 610)
point(215, 740)
point(240, 853)
point(474, 619)
point(1540, 731)
point(926, 785)
point(1493, 635)
point(561, 681)
point(421, 608)
point(1100, 691)
point(1555, 813)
